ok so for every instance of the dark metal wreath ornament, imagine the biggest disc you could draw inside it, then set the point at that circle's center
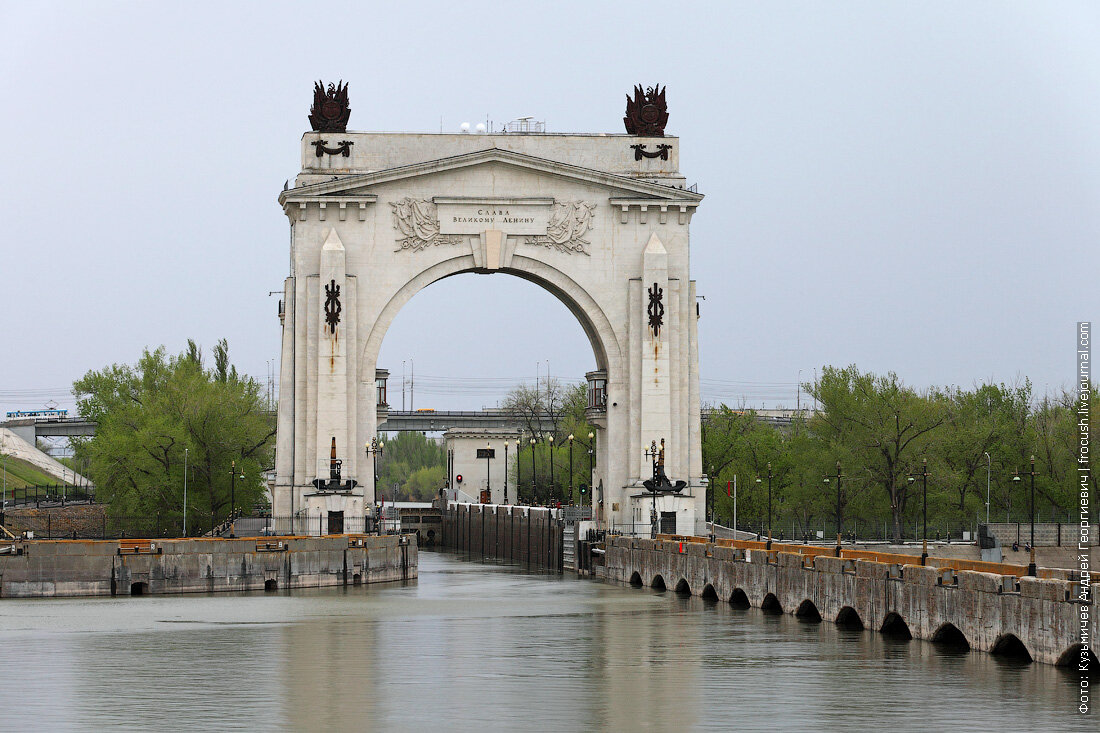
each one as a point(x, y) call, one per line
point(647, 113)
point(330, 110)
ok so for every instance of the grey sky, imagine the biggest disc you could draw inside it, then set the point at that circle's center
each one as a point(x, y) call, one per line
point(907, 187)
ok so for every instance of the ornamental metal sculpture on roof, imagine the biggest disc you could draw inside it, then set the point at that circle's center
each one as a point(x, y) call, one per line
point(647, 112)
point(330, 111)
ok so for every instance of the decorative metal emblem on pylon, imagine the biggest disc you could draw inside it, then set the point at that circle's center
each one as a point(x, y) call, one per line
point(656, 309)
point(330, 111)
point(332, 306)
point(647, 112)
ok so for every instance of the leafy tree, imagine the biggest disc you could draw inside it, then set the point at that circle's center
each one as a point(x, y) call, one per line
point(150, 413)
point(882, 423)
point(414, 463)
point(564, 406)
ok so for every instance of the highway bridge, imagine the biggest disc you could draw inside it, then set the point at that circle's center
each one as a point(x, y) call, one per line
point(30, 429)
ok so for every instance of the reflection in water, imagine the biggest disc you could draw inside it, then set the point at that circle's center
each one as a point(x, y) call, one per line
point(481, 646)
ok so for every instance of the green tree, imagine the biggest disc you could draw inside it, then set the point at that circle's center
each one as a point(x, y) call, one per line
point(415, 464)
point(148, 414)
point(883, 424)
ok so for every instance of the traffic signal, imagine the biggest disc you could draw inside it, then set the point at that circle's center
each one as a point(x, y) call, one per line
point(458, 478)
point(584, 490)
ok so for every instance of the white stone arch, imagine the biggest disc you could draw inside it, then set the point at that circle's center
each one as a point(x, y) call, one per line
point(596, 325)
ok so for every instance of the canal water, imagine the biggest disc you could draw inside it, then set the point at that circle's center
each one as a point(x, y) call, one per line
point(481, 646)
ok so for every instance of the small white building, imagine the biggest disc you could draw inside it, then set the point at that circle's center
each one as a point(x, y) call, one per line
point(481, 457)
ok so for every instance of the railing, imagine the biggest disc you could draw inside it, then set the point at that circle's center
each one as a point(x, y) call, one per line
point(891, 558)
point(170, 526)
point(48, 494)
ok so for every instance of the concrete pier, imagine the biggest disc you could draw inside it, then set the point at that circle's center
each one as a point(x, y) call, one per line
point(50, 568)
point(989, 612)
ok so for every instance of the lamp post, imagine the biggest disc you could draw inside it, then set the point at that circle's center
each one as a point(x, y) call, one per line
point(534, 488)
point(232, 494)
point(591, 466)
point(550, 493)
point(652, 454)
point(769, 545)
point(488, 477)
point(185, 492)
point(571, 468)
point(375, 447)
point(924, 490)
point(1016, 478)
point(988, 466)
point(838, 525)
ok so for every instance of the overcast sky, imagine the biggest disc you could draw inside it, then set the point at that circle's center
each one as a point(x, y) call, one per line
point(908, 187)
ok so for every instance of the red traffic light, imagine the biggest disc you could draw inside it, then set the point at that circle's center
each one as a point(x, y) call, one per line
point(458, 478)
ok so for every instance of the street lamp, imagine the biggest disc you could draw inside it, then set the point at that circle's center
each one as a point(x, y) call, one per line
point(838, 526)
point(233, 496)
point(1016, 478)
point(758, 480)
point(571, 468)
point(591, 466)
point(534, 488)
point(375, 447)
point(550, 494)
point(506, 470)
point(924, 487)
point(652, 454)
point(488, 478)
point(988, 466)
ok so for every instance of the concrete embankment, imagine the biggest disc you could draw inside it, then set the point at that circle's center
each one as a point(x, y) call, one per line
point(1040, 618)
point(42, 568)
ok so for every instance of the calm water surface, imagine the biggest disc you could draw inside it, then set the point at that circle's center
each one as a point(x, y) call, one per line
point(473, 646)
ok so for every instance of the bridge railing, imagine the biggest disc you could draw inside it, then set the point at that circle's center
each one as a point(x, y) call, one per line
point(890, 558)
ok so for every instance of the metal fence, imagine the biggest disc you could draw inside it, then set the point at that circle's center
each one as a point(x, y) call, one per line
point(49, 494)
point(102, 526)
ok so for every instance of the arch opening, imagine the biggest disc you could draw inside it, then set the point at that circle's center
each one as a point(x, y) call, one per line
point(849, 618)
point(771, 605)
point(682, 588)
point(658, 583)
point(739, 599)
point(595, 324)
point(636, 580)
point(1009, 646)
point(709, 594)
point(894, 626)
point(139, 589)
point(1080, 659)
point(949, 636)
point(272, 585)
point(807, 611)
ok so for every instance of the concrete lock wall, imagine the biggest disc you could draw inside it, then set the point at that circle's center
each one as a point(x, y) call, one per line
point(38, 568)
point(526, 535)
point(987, 609)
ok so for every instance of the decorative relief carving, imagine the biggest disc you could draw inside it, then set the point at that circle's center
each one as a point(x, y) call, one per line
point(417, 221)
point(656, 309)
point(569, 222)
point(332, 306)
point(639, 152)
point(342, 148)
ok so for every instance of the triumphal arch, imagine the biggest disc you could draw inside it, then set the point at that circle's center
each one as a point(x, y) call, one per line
point(599, 220)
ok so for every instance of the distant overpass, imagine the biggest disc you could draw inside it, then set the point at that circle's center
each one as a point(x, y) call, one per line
point(30, 429)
